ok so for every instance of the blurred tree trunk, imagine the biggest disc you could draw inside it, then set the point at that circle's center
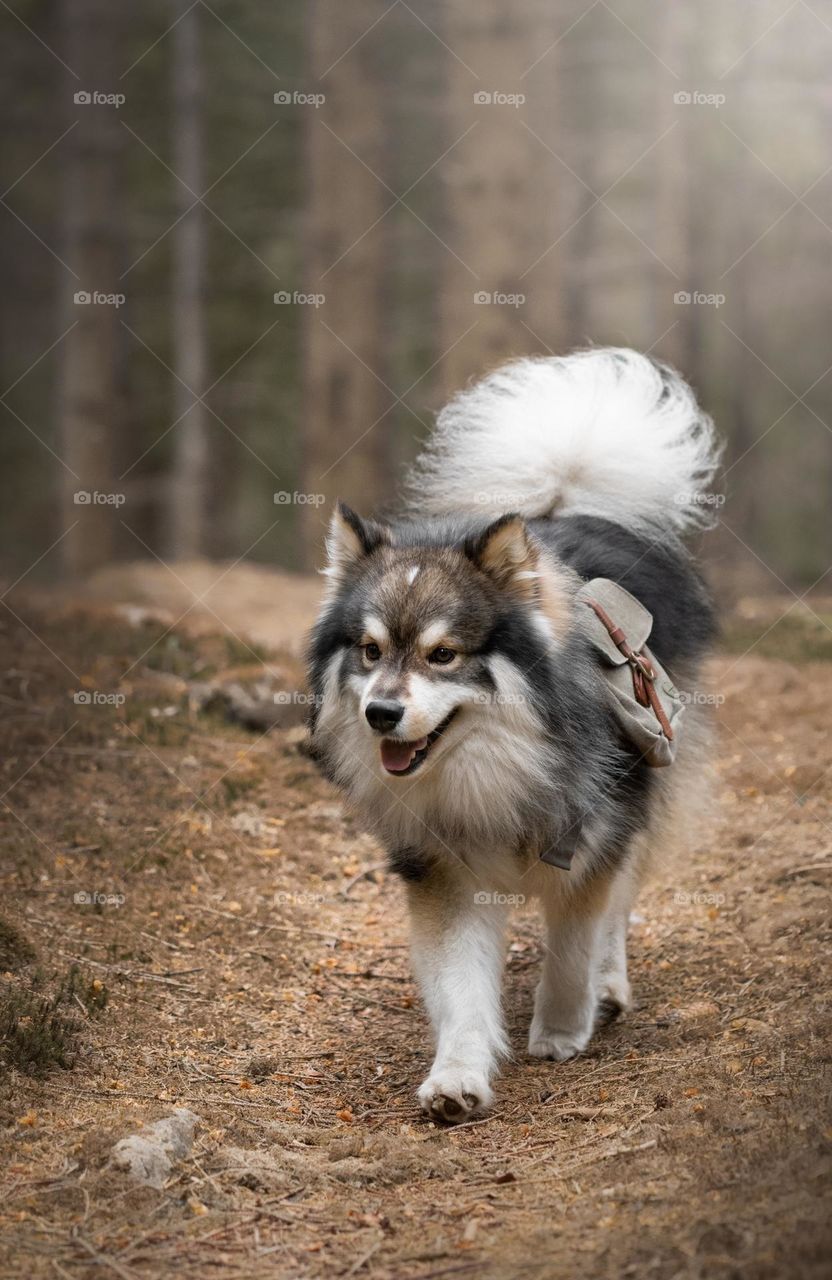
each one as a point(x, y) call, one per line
point(90, 413)
point(749, 410)
point(580, 245)
point(502, 188)
point(187, 496)
point(672, 207)
point(697, 203)
point(344, 434)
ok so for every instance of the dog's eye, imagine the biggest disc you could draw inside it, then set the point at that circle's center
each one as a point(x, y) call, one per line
point(372, 652)
point(442, 656)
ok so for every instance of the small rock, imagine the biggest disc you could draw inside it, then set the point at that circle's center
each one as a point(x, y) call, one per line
point(343, 1148)
point(250, 822)
point(148, 1156)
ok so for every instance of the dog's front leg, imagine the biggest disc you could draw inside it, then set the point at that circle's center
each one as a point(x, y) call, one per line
point(458, 954)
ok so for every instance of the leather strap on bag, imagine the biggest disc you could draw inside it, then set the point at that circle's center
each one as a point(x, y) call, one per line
point(642, 668)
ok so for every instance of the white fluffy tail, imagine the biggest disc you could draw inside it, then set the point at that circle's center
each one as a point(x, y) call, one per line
point(604, 432)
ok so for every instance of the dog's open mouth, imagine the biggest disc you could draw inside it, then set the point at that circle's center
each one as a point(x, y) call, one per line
point(403, 758)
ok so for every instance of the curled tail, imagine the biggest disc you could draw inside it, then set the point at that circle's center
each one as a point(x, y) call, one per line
point(605, 432)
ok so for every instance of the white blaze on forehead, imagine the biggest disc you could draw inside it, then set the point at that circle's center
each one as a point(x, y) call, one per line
point(375, 628)
point(434, 633)
point(411, 575)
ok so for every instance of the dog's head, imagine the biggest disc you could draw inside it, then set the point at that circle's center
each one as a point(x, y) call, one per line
point(426, 629)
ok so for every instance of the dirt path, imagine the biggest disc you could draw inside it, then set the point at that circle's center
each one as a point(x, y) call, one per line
point(256, 972)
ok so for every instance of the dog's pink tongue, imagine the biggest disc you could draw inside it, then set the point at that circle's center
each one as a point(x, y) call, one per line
point(396, 756)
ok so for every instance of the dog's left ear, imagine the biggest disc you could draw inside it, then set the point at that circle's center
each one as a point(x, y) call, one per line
point(506, 553)
point(350, 539)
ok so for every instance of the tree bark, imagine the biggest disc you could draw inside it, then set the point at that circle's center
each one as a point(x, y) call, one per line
point(187, 498)
point(672, 206)
point(502, 189)
point(345, 434)
point(90, 410)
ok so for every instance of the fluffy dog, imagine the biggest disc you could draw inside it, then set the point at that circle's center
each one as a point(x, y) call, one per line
point(462, 706)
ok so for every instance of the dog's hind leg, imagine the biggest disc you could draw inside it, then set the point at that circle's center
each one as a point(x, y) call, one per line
point(614, 992)
point(614, 995)
point(566, 999)
point(458, 954)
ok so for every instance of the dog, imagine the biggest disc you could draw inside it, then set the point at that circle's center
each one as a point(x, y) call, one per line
point(464, 705)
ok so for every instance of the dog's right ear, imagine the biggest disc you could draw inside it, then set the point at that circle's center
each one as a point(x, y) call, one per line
point(350, 539)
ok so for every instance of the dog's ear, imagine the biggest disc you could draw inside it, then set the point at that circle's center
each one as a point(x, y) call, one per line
point(505, 552)
point(350, 539)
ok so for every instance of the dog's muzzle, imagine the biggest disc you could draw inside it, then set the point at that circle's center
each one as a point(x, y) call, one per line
point(403, 758)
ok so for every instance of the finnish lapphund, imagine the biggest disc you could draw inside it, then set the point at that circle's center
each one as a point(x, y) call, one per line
point(465, 698)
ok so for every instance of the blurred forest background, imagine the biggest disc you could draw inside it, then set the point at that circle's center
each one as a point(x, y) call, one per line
point(286, 217)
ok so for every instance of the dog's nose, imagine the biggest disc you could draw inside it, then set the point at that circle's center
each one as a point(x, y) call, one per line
point(384, 715)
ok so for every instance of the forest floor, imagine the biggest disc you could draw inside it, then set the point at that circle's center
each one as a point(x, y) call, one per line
point(246, 958)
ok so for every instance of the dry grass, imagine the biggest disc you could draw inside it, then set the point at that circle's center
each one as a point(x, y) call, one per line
point(256, 976)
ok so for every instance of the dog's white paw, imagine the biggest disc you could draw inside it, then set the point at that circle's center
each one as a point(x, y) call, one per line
point(558, 1045)
point(454, 1094)
point(616, 999)
point(616, 995)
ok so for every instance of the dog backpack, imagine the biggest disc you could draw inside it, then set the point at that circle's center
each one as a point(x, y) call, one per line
point(646, 703)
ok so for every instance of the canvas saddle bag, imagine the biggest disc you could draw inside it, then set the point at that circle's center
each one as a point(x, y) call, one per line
point(644, 700)
point(646, 703)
